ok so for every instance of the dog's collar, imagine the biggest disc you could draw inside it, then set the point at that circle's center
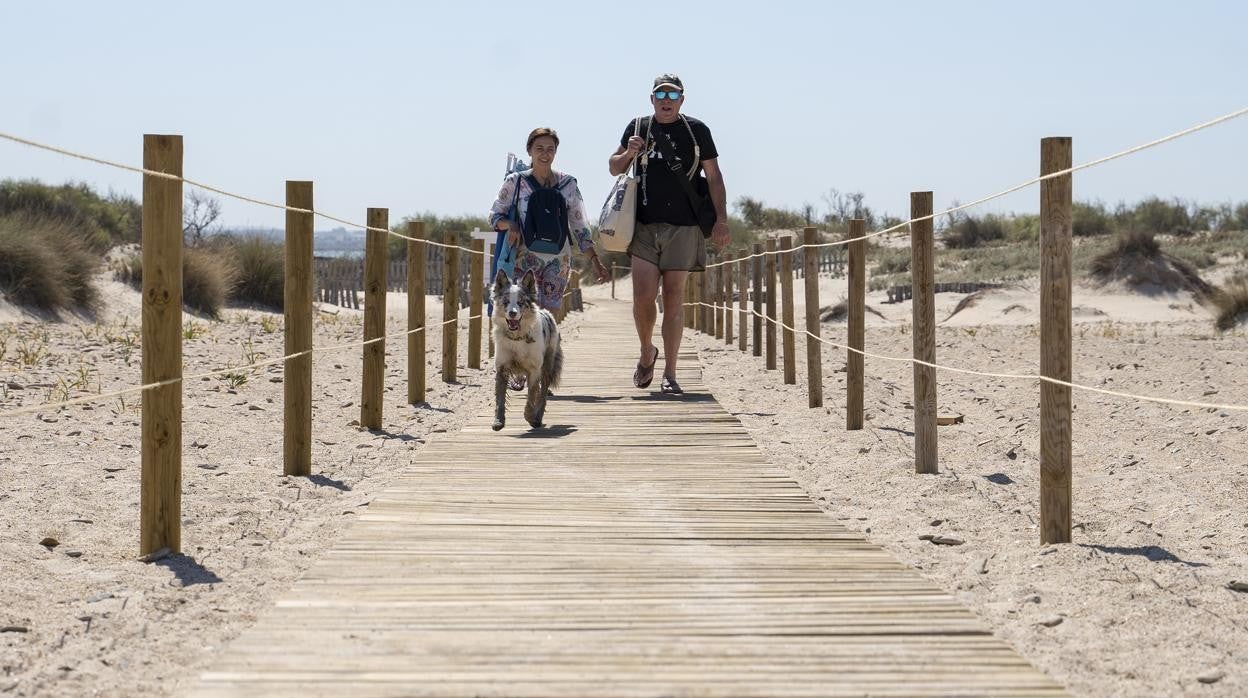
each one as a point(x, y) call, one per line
point(517, 336)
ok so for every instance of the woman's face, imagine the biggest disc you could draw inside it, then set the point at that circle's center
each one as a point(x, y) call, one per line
point(543, 150)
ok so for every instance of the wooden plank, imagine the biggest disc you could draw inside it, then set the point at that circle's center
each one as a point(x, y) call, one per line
point(626, 550)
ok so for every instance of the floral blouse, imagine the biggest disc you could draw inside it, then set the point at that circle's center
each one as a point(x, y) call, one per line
point(576, 214)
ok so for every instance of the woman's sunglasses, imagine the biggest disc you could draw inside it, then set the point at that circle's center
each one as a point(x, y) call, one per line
point(662, 95)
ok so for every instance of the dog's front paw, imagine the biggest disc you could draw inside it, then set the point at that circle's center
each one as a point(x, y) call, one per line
point(499, 423)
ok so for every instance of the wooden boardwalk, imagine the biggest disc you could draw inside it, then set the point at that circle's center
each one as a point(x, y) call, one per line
point(639, 546)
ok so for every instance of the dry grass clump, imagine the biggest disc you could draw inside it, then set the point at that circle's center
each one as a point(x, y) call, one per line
point(1230, 303)
point(260, 269)
point(207, 279)
point(45, 264)
point(1136, 258)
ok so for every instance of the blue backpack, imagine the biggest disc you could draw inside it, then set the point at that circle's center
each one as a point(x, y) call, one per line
point(546, 219)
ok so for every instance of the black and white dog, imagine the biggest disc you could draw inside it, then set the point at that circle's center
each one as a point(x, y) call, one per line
point(526, 343)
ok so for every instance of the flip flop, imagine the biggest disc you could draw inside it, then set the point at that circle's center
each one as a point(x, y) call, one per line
point(645, 374)
point(671, 387)
point(518, 381)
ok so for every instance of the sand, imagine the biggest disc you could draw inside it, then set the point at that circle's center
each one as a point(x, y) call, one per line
point(1137, 605)
point(85, 617)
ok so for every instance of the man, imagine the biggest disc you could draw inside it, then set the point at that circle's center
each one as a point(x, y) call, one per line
point(668, 242)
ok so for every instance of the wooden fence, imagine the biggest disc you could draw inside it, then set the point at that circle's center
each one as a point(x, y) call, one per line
point(710, 298)
point(340, 280)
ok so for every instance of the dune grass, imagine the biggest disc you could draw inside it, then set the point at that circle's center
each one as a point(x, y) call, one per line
point(45, 263)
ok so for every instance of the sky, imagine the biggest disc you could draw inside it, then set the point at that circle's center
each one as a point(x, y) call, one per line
point(414, 106)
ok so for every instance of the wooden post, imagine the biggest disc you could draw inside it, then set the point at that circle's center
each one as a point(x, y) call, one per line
point(757, 270)
point(373, 386)
point(814, 347)
point(695, 317)
point(489, 325)
point(578, 300)
point(770, 269)
point(450, 310)
point(297, 307)
point(743, 292)
point(613, 275)
point(854, 361)
point(416, 313)
point(786, 296)
point(1055, 342)
point(476, 287)
point(160, 519)
point(729, 321)
point(922, 283)
point(690, 310)
point(705, 318)
point(565, 302)
point(716, 311)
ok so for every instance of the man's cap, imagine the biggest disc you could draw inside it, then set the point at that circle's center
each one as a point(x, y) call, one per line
point(668, 80)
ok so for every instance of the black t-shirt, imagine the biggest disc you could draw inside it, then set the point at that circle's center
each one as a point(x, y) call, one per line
point(661, 198)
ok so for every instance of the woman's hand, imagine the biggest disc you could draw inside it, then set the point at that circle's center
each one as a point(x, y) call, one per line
point(599, 269)
point(513, 235)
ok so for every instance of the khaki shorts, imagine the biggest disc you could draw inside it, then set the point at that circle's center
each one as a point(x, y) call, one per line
point(670, 247)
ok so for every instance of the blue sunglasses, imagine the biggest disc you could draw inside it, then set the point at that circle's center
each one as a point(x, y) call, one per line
point(662, 95)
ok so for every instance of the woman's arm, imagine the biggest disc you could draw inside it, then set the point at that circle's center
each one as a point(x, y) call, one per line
point(501, 208)
point(580, 228)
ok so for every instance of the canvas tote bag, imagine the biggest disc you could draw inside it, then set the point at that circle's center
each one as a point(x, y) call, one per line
point(619, 212)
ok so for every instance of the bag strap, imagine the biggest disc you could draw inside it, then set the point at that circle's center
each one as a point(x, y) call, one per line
point(669, 154)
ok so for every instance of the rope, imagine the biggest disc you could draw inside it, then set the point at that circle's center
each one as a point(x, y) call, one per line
point(218, 372)
point(222, 192)
point(1036, 180)
point(987, 374)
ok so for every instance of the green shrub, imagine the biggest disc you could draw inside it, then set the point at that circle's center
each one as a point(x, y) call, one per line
point(891, 260)
point(45, 265)
point(208, 278)
point(436, 228)
point(1090, 219)
point(1159, 217)
point(104, 220)
point(970, 231)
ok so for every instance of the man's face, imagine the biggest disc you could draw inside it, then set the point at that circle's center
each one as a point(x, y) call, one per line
point(665, 107)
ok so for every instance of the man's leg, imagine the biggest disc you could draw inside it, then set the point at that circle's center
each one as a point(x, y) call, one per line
point(673, 318)
point(645, 290)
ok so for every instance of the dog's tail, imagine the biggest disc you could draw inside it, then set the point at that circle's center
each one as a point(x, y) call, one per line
point(552, 367)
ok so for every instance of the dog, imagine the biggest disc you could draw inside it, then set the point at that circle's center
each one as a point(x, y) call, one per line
point(526, 342)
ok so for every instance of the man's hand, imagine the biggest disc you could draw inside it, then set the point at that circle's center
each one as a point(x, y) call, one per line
point(635, 144)
point(600, 270)
point(720, 236)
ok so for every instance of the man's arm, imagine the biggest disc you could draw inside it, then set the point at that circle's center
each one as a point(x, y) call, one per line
point(719, 196)
point(619, 161)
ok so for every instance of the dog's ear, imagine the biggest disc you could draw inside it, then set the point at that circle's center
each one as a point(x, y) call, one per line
point(529, 283)
point(501, 280)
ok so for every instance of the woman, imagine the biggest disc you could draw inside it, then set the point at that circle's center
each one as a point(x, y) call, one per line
point(509, 212)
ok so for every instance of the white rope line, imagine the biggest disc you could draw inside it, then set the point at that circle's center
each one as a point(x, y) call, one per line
point(220, 372)
point(231, 369)
point(1052, 175)
point(222, 192)
point(986, 374)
